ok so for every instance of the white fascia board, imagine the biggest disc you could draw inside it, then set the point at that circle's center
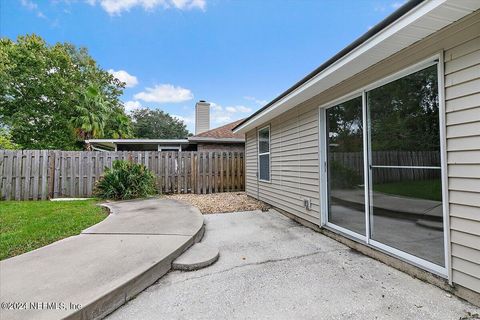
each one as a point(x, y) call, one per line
point(407, 19)
point(144, 141)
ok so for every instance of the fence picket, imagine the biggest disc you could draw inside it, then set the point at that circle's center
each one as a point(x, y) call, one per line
point(18, 174)
point(27, 167)
point(204, 173)
point(56, 174)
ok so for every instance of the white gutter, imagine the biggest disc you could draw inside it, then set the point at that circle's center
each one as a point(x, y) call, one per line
point(216, 140)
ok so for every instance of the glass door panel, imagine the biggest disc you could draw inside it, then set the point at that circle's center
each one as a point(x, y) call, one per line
point(405, 169)
point(345, 166)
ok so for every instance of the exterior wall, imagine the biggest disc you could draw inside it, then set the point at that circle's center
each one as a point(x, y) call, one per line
point(226, 147)
point(462, 94)
point(294, 150)
point(294, 163)
point(251, 164)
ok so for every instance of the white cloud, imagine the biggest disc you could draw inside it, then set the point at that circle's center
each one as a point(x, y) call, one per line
point(235, 109)
point(131, 106)
point(32, 6)
point(187, 120)
point(260, 102)
point(29, 4)
point(243, 109)
point(189, 4)
point(215, 107)
point(116, 7)
point(397, 4)
point(124, 76)
point(220, 115)
point(382, 7)
point(165, 93)
point(221, 119)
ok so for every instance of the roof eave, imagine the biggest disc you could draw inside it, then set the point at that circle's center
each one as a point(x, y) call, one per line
point(409, 13)
point(216, 140)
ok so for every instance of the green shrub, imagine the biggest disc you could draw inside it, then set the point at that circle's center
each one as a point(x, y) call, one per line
point(343, 177)
point(125, 180)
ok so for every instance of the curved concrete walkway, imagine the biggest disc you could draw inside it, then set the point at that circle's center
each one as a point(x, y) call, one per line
point(90, 275)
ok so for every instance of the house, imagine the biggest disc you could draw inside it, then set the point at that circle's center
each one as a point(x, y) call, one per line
point(378, 147)
point(220, 139)
point(205, 139)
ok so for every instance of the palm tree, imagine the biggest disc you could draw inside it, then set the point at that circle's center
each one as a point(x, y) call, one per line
point(91, 114)
point(119, 124)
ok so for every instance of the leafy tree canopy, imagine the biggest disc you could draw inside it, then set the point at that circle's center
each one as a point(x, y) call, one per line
point(6, 140)
point(156, 124)
point(55, 96)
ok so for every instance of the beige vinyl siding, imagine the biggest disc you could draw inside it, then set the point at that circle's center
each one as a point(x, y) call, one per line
point(462, 94)
point(251, 164)
point(295, 138)
point(293, 160)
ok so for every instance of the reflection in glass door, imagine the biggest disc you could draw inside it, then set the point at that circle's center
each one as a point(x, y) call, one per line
point(346, 195)
point(406, 189)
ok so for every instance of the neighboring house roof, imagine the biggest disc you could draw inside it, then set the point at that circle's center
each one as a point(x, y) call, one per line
point(220, 134)
point(410, 23)
point(111, 143)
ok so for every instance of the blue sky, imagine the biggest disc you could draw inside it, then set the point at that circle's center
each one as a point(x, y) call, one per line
point(237, 54)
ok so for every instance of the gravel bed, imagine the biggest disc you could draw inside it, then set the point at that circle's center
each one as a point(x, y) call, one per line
point(221, 202)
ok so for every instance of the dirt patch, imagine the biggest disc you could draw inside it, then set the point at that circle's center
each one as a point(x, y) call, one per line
point(221, 202)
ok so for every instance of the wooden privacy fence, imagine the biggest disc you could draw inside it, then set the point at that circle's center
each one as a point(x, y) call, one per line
point(42, 174)
point(354, 161)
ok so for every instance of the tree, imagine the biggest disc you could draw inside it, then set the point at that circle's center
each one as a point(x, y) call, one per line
point(91, 115)
point(46, 94)
point(119, 125)
point(156, 124)
point(405, 114)
point(6, 140)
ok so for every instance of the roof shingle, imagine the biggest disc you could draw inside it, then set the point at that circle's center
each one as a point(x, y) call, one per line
point(223, 132)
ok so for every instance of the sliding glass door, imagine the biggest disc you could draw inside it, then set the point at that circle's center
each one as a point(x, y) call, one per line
point(401, 148)
point(406, 189)
point(345, 167)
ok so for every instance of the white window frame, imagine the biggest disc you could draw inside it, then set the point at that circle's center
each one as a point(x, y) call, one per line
point(264, 153)
point(446, 271)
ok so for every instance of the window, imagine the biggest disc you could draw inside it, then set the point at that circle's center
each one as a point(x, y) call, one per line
point(264, 154)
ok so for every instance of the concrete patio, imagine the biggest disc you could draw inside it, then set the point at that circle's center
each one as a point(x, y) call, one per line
point(89, 275)
point(273, 268)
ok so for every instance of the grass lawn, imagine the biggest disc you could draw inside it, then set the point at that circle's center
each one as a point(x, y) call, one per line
point(28, 225)
point(423, 189)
